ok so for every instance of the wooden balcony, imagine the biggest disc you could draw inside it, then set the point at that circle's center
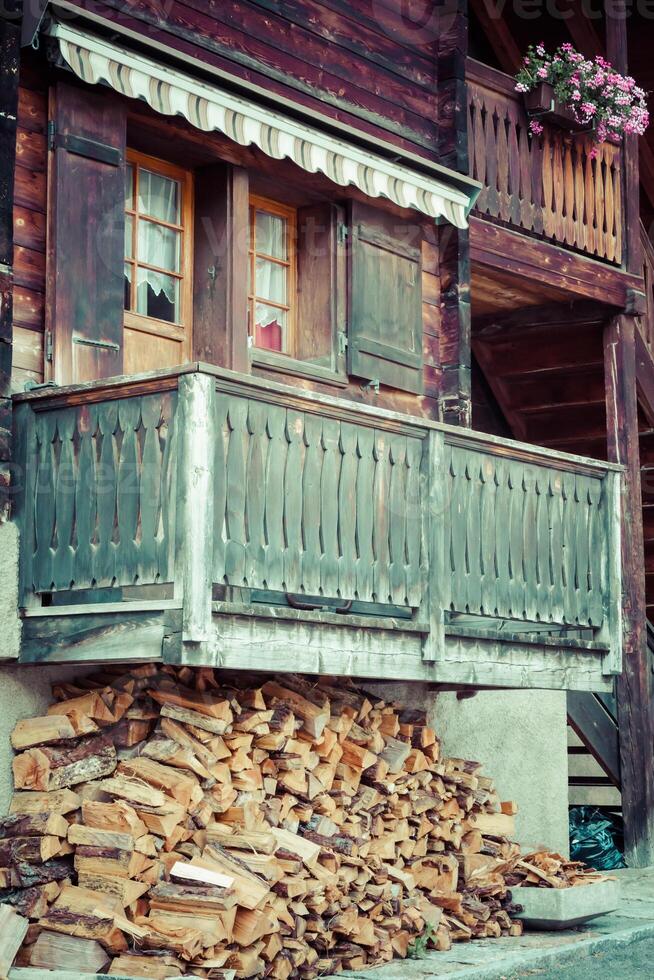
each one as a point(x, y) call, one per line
point(204, 517)
point(546, 186)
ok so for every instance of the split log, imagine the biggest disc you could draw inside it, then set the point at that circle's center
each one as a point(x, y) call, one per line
point(88, 915)
point(56, 951)
point(60, 801)
point(33, 825)
point(13, 929)
point(54, 768)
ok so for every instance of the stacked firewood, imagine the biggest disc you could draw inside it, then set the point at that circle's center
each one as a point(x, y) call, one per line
point(172, 821)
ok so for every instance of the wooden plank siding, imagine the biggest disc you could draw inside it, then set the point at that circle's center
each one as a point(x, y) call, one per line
point(30, 206)
point(367, 67)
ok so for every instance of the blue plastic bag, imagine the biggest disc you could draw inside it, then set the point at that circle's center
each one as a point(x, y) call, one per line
point(596, 838)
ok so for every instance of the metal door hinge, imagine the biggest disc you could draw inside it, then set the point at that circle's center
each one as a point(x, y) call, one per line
point(342, 233)
point(342, 342)
point(48, 345)
point(372, 385)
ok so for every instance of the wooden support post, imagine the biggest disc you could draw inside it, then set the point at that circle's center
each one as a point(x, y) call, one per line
point(633, 686)
point(454, 243)
point(23, 489)
point(616, 52)
point(195, 531)
point(434, 477)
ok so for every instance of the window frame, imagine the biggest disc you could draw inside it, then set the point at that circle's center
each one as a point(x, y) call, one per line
point(257, 202)
point(182, 331)
point(291, 364)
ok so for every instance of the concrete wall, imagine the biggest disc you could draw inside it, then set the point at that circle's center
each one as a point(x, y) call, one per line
point(9, 621)
point(24, 691)
point(521, 740)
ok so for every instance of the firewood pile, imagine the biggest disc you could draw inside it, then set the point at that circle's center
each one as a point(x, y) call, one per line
point(165, 824)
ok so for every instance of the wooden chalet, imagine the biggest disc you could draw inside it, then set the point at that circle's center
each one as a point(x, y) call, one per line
point(318, 361)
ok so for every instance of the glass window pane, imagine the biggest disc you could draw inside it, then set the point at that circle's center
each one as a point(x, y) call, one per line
point(271, 234)
point(129, 187)
point(129, 228)
point(127, 302)
point(159, 245)
point(270, 327)
point(157, 295)
point(159, 196)
point(271, 281)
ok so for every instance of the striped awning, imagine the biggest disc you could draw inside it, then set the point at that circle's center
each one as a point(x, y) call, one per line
point(211, 108)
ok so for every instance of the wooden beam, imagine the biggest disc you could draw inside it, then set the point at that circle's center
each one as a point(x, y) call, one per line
point(646, 168)
point(633, 686)
point(498, 32)
point(616, 50)
point(536, 260)
point(582, 30)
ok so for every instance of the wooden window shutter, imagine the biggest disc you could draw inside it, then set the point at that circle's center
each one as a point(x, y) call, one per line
point(321, 298)
point(385, 330)
point(86, 233)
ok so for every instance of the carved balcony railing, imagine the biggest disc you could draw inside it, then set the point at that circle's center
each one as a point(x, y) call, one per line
point(549, 186)
point(202, 516)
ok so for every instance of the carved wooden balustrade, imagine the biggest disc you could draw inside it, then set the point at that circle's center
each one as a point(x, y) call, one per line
point(280, 528)
point(550, 185)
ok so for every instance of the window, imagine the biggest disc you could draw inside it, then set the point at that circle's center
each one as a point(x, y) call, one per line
point(158, 240)
point(272, 276)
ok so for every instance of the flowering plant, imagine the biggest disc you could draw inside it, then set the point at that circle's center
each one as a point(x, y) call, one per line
point(597, 94)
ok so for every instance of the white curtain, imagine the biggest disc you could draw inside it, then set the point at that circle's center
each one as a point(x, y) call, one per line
point(158, 245)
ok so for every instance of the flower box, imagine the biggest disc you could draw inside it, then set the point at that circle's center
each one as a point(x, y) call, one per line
point(580, 94)
point(542, 104)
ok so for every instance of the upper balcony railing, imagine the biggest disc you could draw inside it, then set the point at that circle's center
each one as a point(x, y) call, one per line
point(414, 549)
point(549, 186)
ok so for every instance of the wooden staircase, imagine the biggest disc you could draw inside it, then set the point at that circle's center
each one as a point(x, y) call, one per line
point(593, 751)
point(542, 370)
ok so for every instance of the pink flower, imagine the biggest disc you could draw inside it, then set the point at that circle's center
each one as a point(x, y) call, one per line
point(542, 72)
point(521, 87)
point(535, 128)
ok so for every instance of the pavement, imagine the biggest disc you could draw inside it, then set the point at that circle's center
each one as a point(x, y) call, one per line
point(618, 946)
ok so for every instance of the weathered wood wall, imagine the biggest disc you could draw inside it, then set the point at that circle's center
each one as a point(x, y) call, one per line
point(9, 61)
point(30, 214)
point(30, 197)
point(371, 64)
